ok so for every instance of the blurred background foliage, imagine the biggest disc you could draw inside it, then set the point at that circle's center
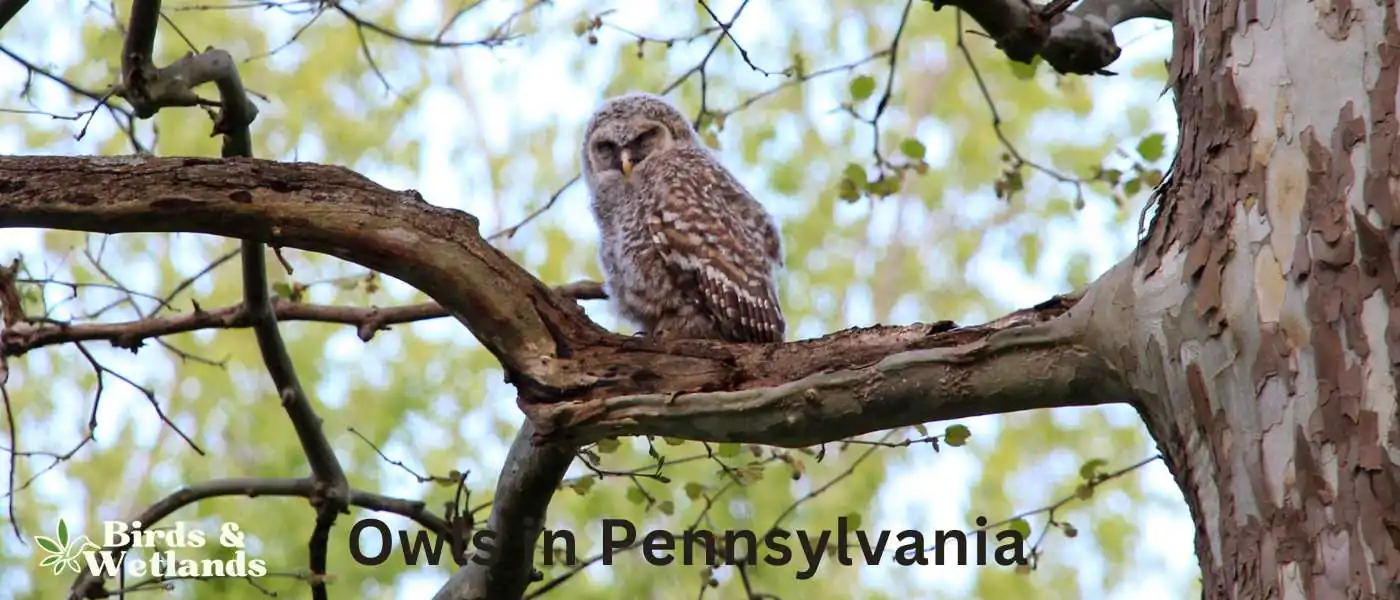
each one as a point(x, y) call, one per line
point(958, 228)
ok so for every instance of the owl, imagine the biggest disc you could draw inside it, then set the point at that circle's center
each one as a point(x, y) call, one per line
point(686, 251)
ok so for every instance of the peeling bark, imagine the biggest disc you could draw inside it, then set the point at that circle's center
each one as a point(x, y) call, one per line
point(1272, 389)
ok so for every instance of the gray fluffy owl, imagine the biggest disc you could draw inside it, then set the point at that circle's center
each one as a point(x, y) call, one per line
point(686, 251)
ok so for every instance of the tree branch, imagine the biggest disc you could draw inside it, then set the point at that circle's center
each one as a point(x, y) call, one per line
point(149, 90)
point(577, 382)
point(8, 10)
point(26, 335)
point(253, 487)
point(526, 485)
point(1078, 41)
point(981, 377)
point(321, 208)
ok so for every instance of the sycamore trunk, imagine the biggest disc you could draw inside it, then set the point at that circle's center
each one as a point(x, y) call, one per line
point(1268, 315)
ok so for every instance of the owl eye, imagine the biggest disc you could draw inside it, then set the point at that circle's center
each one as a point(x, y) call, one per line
point(647, 136)
point(605, 148)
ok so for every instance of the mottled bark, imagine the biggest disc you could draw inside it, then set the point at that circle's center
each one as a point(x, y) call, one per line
point(1268, 320)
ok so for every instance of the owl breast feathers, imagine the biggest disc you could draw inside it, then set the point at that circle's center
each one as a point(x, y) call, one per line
point(686, 251)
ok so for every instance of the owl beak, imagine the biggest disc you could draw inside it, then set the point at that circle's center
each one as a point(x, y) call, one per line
point(626, 163)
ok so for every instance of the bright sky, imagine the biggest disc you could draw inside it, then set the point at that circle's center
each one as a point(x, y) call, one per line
point(539, 82)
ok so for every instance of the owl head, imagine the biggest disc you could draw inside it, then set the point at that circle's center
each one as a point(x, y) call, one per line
point(627, 130)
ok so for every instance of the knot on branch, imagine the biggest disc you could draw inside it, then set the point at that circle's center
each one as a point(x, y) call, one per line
point(149, 89)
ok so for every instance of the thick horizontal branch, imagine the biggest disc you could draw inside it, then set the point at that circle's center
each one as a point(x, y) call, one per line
point(23, 337)
point(902, 389)
point(575, 380)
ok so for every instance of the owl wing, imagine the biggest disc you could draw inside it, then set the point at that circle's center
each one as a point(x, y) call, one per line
point(710, 247)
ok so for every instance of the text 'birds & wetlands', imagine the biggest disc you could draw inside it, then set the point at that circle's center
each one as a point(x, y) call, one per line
point(371, 543)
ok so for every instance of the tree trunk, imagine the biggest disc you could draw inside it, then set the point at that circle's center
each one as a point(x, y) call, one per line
point(1267, 342)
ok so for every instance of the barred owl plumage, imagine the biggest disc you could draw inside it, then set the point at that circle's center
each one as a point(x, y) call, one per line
point(686, 251)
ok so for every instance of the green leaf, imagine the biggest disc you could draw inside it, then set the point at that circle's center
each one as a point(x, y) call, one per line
point(1020, 525)
point(729, 449)
point(887, 186)
point(694, 490)
point(1014, 181)
point(584, 484)
point(1025, 71)
point(670, 441)
point(666, 507)
point(48, 544)
point(635, 495)
point(50, 559)
point(862, 87)
point(281, 288)
point(856, 174)
point(1090, 468)
point(913, 148)
point(956, 435)
point(846, 190)
point(923, 431)
point(608, 445)
point(1152, 146)
point(1132, 186)
point(1070, 530)
point(62, 533)
point(799, 65)
point(1152, 178)
point(1084, 491)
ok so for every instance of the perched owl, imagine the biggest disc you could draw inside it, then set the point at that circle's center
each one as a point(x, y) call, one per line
point(685, 250)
